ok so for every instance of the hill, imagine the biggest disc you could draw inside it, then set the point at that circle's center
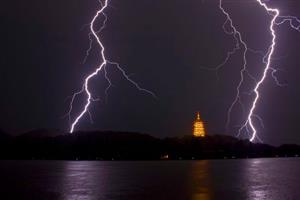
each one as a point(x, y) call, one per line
point(97, 145)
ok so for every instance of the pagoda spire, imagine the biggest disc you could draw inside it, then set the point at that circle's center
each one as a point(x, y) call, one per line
point(198, 116)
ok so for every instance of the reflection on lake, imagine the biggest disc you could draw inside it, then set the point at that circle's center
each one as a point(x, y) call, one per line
point(251, 179)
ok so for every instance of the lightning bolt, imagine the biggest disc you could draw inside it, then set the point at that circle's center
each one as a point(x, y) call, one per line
point(276, 20)
point(239, 41)
point(101, 67)
point(240, 44)
point(251, 115)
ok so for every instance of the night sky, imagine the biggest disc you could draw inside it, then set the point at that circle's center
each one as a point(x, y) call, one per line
point(164, 45)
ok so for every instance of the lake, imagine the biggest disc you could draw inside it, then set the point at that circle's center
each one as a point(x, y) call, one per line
point(252, 179)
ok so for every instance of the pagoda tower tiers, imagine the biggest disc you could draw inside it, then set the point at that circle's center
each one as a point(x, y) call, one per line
point(199, 129)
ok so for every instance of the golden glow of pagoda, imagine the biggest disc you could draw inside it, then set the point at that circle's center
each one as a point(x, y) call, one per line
point(199, 129)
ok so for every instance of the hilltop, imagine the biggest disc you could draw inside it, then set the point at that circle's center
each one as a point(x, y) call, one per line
point(108, 145)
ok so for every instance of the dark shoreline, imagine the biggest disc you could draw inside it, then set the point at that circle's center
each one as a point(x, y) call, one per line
point(119, 146)
point(158, 160)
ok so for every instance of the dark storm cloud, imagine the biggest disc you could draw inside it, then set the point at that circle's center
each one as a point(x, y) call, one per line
point(163, 44)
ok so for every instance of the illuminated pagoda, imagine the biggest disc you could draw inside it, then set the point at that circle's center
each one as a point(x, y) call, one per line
point(199, 130)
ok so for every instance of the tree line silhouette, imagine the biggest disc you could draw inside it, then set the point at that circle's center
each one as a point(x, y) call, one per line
point(108, 145)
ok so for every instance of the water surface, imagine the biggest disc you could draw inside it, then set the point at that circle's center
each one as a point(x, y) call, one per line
point(251, 179)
